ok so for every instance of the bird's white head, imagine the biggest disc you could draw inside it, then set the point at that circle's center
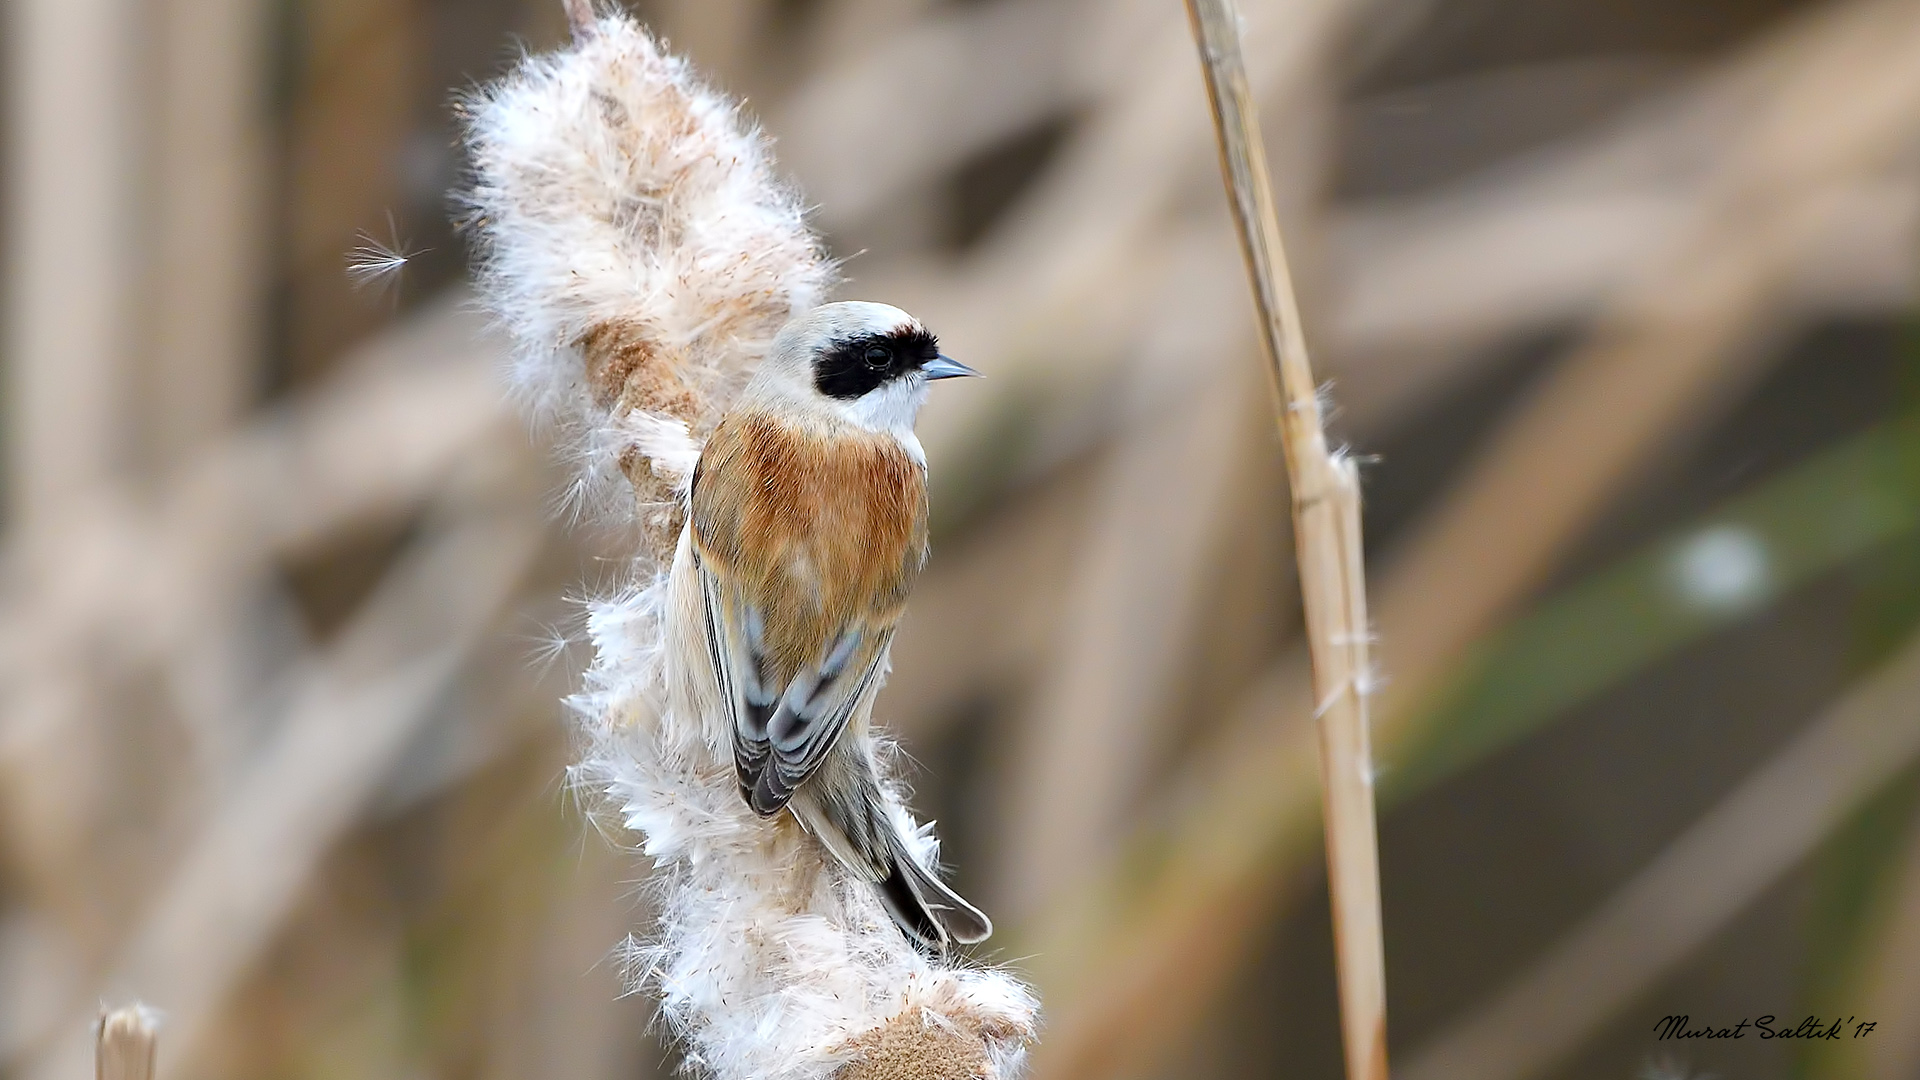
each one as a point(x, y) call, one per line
point(862, 362)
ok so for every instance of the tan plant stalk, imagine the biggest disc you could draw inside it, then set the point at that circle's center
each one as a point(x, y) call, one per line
point(1326, 513)
point(126, 1044)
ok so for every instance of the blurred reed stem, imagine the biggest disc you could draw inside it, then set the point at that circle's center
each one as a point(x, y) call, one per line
point(580, 16)
point(1326, 512)
point(127, 1044)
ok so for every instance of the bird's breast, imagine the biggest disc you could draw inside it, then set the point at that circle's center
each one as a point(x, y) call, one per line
point(820, 526)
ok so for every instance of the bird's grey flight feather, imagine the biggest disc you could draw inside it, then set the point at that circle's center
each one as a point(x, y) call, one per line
point(780, 738)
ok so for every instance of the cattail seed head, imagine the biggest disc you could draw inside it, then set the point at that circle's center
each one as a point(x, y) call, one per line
point(636, 244)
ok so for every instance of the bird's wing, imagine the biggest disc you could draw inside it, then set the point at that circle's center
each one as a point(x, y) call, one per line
point(808, 546)
point(815, 712)
point(782, 733)
point(726, 655)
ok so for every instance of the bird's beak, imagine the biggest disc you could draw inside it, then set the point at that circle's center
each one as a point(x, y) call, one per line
point(945, 367)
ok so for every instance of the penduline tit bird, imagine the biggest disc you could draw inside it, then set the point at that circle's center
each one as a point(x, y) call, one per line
point(807, 529)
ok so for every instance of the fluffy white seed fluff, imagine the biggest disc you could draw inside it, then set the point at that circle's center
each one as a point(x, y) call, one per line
point(638, 247)
point(613, 193)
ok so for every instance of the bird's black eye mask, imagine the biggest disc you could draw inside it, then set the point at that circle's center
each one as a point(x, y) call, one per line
point(849, 369)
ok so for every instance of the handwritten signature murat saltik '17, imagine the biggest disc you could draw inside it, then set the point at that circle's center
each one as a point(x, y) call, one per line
point(1767, 1027)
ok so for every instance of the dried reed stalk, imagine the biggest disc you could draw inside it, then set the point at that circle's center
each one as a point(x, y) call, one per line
point(125, 1047)
point(1326, 514)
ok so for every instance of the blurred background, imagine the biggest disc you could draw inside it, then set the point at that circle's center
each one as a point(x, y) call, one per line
point(1615, 297)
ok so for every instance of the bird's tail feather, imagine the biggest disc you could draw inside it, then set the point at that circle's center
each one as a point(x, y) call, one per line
point(930, 912)
point(901, 898)
point(862, 836)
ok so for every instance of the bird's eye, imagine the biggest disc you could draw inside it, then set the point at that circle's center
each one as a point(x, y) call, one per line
point(878, 357)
